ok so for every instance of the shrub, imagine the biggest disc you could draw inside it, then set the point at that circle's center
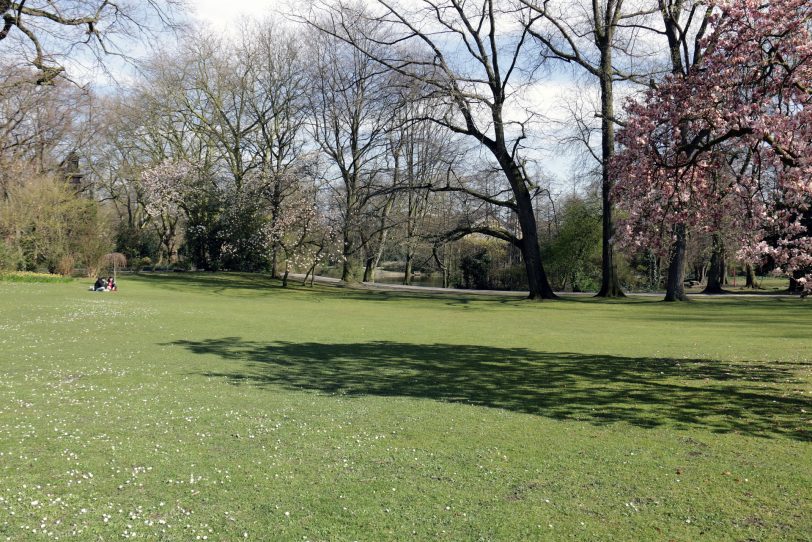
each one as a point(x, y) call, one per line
point(65, 265)
point(47, 225)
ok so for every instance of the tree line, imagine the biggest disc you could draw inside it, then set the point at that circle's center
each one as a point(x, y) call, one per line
point(404, 134)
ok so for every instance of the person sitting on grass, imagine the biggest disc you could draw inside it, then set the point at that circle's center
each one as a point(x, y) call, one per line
point(99, 285)
point(111, 285)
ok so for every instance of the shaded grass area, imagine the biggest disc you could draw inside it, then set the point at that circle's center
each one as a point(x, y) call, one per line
point(223, 406)
point(765, 284)
point(647, 392)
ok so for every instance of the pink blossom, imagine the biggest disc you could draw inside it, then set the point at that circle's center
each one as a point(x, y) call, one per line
point(731, 140)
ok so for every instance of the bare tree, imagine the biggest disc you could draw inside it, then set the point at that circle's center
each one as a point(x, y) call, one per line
point(351, 106)
point(44, 33)
point(423, 155)
point(588, 36)
point(473, 58)
point(278, 108)
point(39, 126)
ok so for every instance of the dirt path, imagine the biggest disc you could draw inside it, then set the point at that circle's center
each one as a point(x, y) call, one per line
point(505, 293)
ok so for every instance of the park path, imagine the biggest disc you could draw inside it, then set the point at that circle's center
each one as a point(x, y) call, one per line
point(508, 293)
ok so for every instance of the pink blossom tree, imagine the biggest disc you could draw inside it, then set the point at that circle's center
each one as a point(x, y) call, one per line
point(303, 236)
point(165, 189)
point(731, 139)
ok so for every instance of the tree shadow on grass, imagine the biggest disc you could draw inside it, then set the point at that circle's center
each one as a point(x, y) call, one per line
point(208, 282)
point(258, 284)
point(756, 399)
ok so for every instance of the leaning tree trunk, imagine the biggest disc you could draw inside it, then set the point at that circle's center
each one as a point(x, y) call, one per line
point(369, 270)
point(674, 286)
point(716, 273)
point(537, 283)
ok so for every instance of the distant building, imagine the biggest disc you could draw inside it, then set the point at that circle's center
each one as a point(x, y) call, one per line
point(73, 174)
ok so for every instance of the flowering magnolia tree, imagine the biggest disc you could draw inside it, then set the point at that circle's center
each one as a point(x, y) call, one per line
point(303, 237)
point(730, 141)
point(165, 188)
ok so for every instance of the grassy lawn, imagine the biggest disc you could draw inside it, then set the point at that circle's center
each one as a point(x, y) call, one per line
point(222, 407)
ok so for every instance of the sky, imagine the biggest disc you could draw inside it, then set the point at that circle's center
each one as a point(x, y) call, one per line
point(549, 94)
point(209, 12)
point(212, 11)
point(545, 98)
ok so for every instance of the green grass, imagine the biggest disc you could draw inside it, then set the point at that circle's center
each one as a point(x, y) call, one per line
point(225, 407)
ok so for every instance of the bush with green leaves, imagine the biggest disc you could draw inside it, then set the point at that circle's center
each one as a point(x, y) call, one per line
point(573, 257)
point(137, 242)
point(474, 269)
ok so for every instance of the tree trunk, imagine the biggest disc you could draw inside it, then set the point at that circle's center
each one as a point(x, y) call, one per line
point(310, 270)
point(674, 286)
point(537, 283)
point(369, 270)
point(701, 273)
point(652, 270)
point(441, 263)
point(610, 287)
point(716, 273)
point(274, 262)
point(751, 276)
point(407, 273)
point(538, 286)
point(348, 272)
point(276, 204)
point(411, 211)
point(383, 233)
point(348, 267)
